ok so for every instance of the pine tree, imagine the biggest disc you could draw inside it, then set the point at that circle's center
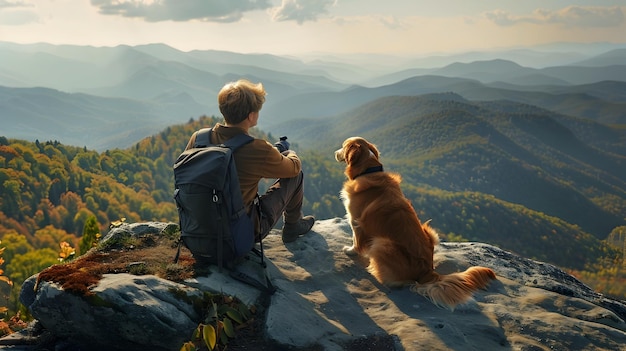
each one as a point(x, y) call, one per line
point(91, 233)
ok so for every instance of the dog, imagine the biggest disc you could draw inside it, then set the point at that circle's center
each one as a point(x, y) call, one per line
point(389, 236)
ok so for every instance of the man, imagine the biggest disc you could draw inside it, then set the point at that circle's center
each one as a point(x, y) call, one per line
point(240, 103)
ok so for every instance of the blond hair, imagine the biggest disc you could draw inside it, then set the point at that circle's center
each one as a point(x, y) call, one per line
point(238, 99)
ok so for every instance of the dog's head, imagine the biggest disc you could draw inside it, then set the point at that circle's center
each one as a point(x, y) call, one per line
point(359, 155)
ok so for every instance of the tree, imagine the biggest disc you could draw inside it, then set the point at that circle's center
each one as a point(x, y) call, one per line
point(24, 266)
point(4, 278)
point(91, 233)
point(81, 218)
point(15, 244)
point(12, 195)
point(50, 237)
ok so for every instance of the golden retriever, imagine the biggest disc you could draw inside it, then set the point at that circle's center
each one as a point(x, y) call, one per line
point(387, 232)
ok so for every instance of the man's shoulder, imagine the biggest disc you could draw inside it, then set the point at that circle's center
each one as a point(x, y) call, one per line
point(260, 144)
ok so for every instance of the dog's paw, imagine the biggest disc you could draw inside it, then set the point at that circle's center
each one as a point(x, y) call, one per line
point(350, 251)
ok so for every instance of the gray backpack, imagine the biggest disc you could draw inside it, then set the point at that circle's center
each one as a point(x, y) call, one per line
point(214, 223)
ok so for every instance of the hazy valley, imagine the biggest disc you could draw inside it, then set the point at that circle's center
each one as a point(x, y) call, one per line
point(108, 97)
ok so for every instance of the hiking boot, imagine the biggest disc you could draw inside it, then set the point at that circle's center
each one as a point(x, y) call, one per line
point(291, 231)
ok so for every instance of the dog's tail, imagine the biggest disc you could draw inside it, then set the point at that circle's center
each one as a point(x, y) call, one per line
point(453, 289)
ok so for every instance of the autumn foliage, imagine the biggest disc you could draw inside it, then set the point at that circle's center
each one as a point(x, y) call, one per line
point(56, 200)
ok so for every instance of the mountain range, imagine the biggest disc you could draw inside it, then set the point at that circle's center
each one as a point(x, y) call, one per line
point(107, 97)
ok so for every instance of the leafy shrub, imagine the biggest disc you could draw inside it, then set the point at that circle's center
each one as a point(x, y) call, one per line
point(225, 316)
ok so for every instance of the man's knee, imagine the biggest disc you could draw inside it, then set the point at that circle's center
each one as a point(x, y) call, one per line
point(291, 185)
point(299, 179)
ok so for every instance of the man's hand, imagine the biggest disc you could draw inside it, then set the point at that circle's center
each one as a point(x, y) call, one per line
point(282, 145)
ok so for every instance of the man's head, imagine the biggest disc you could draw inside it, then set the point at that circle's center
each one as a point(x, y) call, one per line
point(238, 99)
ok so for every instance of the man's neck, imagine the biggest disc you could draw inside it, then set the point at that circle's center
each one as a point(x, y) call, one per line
point(245, 125)
point(240, 126)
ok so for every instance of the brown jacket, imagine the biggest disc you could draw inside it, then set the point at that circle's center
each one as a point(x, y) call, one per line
point(256, 160)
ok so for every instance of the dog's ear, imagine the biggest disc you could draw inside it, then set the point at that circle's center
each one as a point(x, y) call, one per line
point(373, 150)
point(352, 152)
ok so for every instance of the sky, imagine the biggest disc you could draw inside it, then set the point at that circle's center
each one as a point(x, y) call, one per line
point(283, 27)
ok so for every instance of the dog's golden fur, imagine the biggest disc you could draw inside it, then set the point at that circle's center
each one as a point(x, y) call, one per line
point(387, 232)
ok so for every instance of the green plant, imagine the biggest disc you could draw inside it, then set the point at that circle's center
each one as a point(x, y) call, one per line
point(91, 234)
point(224, 316)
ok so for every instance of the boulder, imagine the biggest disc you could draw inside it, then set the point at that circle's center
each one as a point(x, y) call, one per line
point(325, 300)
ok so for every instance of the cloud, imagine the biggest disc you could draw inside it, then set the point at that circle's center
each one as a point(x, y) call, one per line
point(392, 22)
point(9, 4)
point(12, 13)
point(572, 16)
point(181, 10)
point(301, 10)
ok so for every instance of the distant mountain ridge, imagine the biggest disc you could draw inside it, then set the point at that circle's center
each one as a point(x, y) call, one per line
point(87, 120)
point(610, 58)
point(166, 84)
point(499, 70)
point(603, 101)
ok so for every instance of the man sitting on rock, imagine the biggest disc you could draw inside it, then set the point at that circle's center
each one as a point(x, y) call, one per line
point(240, 103)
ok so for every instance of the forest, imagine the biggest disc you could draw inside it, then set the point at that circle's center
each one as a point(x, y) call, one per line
point(56, 200)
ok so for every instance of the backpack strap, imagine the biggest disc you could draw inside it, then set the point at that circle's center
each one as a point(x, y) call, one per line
point(203, 139)
point(238, 141)
point(266, 286)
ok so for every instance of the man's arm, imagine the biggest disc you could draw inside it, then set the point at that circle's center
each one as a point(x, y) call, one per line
point(281, 165)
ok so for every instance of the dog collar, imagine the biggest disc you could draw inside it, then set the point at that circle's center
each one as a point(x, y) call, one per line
point(371, 170)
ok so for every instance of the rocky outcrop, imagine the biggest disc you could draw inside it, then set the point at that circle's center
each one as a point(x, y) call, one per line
point(325, 300)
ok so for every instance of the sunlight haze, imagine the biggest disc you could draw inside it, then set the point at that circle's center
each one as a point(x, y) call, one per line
point(297, 27)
